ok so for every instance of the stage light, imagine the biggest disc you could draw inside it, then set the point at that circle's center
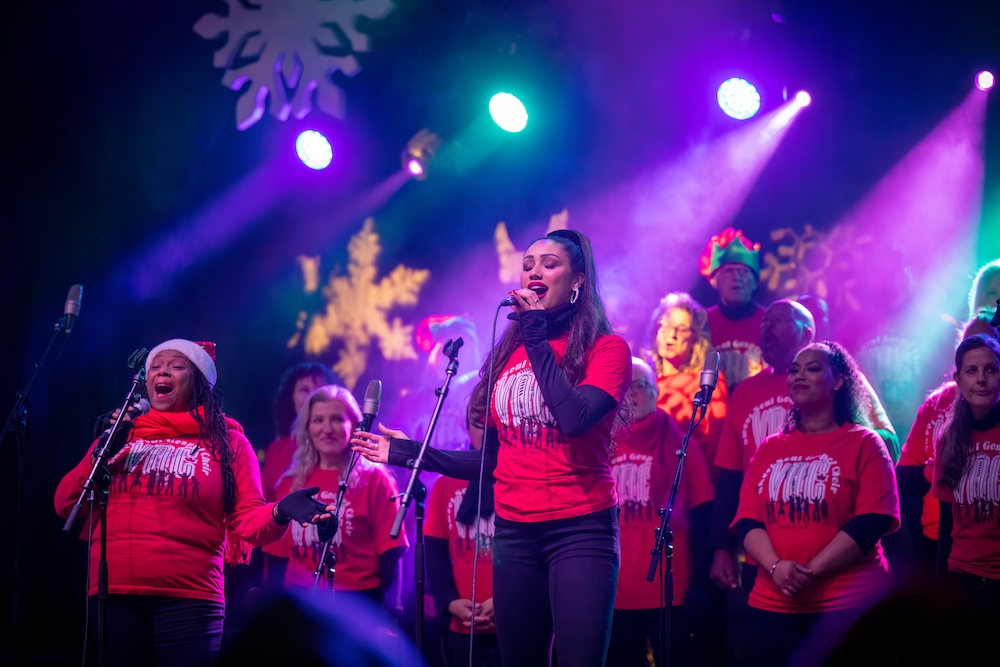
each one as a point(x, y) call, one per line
point(314, 150)
point(419, 153)
point(985, 80)
point(739, 99)
point(803, 99)
point(508, 112)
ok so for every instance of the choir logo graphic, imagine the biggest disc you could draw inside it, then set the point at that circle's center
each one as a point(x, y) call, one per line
point(162, 468)
point(765, 419)
point(977, 495)
point(305, 539)
point(796, 488)
point(739, 360)
point(632, 473)
point(521, 408)
point(483, 530)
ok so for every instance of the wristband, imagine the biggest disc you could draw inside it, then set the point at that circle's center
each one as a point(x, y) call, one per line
point(771, 571)
point(278, 519)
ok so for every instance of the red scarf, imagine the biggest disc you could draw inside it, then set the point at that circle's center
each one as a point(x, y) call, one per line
point(156, 425)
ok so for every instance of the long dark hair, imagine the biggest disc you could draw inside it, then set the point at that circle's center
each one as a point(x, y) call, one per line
point(955, 443)
point(284, 406)
point(589, 322)
point(214, 433)
point(851, 403)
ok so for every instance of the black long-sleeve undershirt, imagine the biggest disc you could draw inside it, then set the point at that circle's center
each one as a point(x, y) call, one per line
point(727, 501)
point(865, 529)
point(462, 464)
point(575, 409)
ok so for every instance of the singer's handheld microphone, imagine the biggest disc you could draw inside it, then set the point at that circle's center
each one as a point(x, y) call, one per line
point(137, 409)
point(509, 301)
point(369, 408)
point(72, 309)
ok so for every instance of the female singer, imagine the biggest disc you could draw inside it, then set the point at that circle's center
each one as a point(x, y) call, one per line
point(559, 376)
point(367, 558)
point(681, 342)
point(966, 477)
point(814, 504)
point(184, 497)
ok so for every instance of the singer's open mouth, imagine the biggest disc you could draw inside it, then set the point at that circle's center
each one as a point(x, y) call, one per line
point(538, 288)
point(163, 389)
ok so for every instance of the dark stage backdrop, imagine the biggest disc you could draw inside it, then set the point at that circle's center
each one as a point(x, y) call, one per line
point(126, 173)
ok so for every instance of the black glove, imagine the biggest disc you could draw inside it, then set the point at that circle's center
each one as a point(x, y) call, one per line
point(299, 506)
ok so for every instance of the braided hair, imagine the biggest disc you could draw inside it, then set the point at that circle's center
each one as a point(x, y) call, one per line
point(214, 433)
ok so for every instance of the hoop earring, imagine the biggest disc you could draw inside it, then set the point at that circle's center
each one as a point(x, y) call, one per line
point(575, 295)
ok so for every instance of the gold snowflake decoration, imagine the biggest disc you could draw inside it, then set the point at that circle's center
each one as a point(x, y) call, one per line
point(357, 306)
point(509, 256)
point(815, 262)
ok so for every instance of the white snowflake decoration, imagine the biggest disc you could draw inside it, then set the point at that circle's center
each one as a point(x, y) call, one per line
point(277, 48)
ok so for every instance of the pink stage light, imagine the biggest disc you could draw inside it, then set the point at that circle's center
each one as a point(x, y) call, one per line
point(985, 80)
point(803, 99)
point(414, 167)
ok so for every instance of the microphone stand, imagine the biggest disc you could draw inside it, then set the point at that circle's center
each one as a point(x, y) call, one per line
point(451, 349)
point(100, 480)
point(327, 558)
point(665, 534)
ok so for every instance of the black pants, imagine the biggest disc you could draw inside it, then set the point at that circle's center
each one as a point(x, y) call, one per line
point(632, 630)
point(485, 650)
point(796, 640)
point(981, 591)
point(560, 575)
point(159, 630)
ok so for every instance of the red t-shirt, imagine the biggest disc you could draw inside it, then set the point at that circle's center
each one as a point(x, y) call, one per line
point(442, 522)
point(676, 398)
point(738, 343)
point(758, 409)
point(366, 518)
point(277, 459)
point(644, 464)
point(804, 487)
point(918, 450)
point(167, 530)
point(543, 474)
point(975, 508)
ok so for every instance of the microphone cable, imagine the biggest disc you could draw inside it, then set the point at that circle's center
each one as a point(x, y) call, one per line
point(482, 466)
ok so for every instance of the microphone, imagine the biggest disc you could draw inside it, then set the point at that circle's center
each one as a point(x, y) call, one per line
point(72, 309)
point(709, 376)
point(509, 301)
point(137, 409)
point(369, 407)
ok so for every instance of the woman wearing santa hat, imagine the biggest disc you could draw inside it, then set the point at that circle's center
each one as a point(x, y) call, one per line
point(185, 496)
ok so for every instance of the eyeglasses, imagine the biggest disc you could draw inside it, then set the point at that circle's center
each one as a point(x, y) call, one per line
point(678, 331)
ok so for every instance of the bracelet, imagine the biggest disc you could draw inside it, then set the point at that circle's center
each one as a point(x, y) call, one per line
point(771, 571)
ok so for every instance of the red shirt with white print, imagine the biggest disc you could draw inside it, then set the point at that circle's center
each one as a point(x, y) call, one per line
point(975, 508)
point(366, 517)
point(277, 458)
point(168, 533)
point(676, 398)
point(804, 487)
point(442, 522)
point(644, 464)
point(918, 450)
point(543, 474)
point(738, 344)
point(757, 409)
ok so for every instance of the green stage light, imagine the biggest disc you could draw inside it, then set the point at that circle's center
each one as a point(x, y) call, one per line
point(508, 112)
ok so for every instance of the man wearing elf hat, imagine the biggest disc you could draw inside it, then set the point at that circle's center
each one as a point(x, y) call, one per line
point(732, 265)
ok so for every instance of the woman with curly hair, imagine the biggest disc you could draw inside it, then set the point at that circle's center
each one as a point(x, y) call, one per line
point(367, 558)
point(967, 473)
point(814, 505)
point(559, 376)
point(680, 342)
point(184, 497)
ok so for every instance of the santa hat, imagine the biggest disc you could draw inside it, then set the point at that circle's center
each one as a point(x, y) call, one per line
point(200, 353)
point(729, 247)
